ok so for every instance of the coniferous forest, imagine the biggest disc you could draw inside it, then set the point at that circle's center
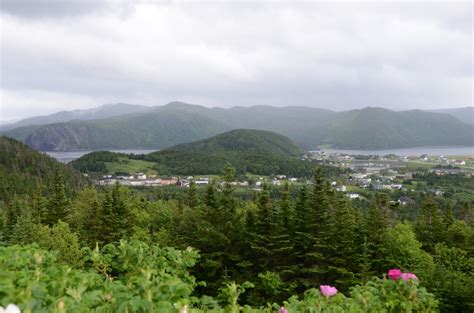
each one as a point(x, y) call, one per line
point(74, 247)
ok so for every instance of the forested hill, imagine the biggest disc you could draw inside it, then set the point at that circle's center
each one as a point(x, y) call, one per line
point(248, 151)
point(176, 123)
point(249, 140)
point(23, 169)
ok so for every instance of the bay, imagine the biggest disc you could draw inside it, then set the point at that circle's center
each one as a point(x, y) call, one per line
point(68, 156)
point(417, 151)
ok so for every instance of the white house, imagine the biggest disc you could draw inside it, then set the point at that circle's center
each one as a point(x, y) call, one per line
point(352, 195)
point(202, 182)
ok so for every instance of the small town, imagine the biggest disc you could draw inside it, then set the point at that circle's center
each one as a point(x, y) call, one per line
point(372, 172)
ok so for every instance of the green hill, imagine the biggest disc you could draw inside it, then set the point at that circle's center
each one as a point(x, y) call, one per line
point(247, 140)
point(159, 128)
point(22, 169)
point(248, 151)
point(176, 123)
point(376, 128)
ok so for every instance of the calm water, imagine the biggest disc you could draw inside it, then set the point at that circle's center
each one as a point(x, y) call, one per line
point(68, 156)
point(446, 151)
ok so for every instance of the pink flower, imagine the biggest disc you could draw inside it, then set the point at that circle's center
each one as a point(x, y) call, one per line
point(327, 290)
point(282, 310)
point(407, 276)
point(394, 274)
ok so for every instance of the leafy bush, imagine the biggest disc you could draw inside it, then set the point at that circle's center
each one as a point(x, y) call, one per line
point(135, 277)
point(129, 277)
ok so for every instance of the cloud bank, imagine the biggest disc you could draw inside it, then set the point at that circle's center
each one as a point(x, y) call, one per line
point(63, 55)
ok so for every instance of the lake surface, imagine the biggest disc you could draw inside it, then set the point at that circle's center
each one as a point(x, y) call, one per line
point(68, 156)
point(446, 151)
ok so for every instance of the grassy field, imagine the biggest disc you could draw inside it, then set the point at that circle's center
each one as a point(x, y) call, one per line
point(125, 165)
point(428, 165)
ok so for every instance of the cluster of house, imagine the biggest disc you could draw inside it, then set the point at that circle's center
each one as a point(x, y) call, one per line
point(441, 159)
point(142, 179)
point(139, 179)
point(385, 182)
point(374, 163)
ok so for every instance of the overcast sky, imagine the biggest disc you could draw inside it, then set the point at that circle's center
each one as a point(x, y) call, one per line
point(64, 55)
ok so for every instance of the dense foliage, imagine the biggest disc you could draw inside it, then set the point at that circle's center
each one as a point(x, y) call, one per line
point(22, 170)
point(118, 249)
point(204, 162)
point(280, 248)
point(95, 161)
point(136, 277)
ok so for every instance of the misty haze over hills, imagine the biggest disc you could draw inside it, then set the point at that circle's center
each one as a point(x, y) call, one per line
point(464, 114)
point(103, 111)
point(123, 126)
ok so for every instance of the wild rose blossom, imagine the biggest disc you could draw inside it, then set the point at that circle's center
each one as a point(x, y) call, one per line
point(11, 308)
point(327, 290)
point(394, 274)
point(407, 276)
point(282, 310)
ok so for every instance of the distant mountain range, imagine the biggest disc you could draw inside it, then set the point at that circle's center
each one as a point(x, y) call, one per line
point(175, 123)
point(463, 114)
point(104, 111)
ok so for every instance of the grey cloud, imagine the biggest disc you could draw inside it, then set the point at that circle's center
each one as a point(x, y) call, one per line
point(50, 8)
point(338, 56)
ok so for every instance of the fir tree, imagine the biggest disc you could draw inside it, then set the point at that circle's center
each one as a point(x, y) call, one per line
point(264, 229)
point(286, 210)
point(114, 216)
point(192, 197)
point(376, 226)
point(448, 216)
point(343, 246)
point(467, 214)
point(210, 198)
point(38, 206)
point(58, 203)
point(429, 225)
point(228, 202)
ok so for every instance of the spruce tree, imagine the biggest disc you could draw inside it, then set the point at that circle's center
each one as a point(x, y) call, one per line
point(38, 206)
point(114, 215)
point(286, 209)
point(376, 226)
point(121, 214)
point(429, 225)
point(192, 197)
point(12, 213)
point(302, 228)
point(227, 201)
point(343, 246)
point(467, 214)
point(58, 203)
point(448, 216)
point(210, 198)
point(264, 229)
point(284, 232)
point(319, 256)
